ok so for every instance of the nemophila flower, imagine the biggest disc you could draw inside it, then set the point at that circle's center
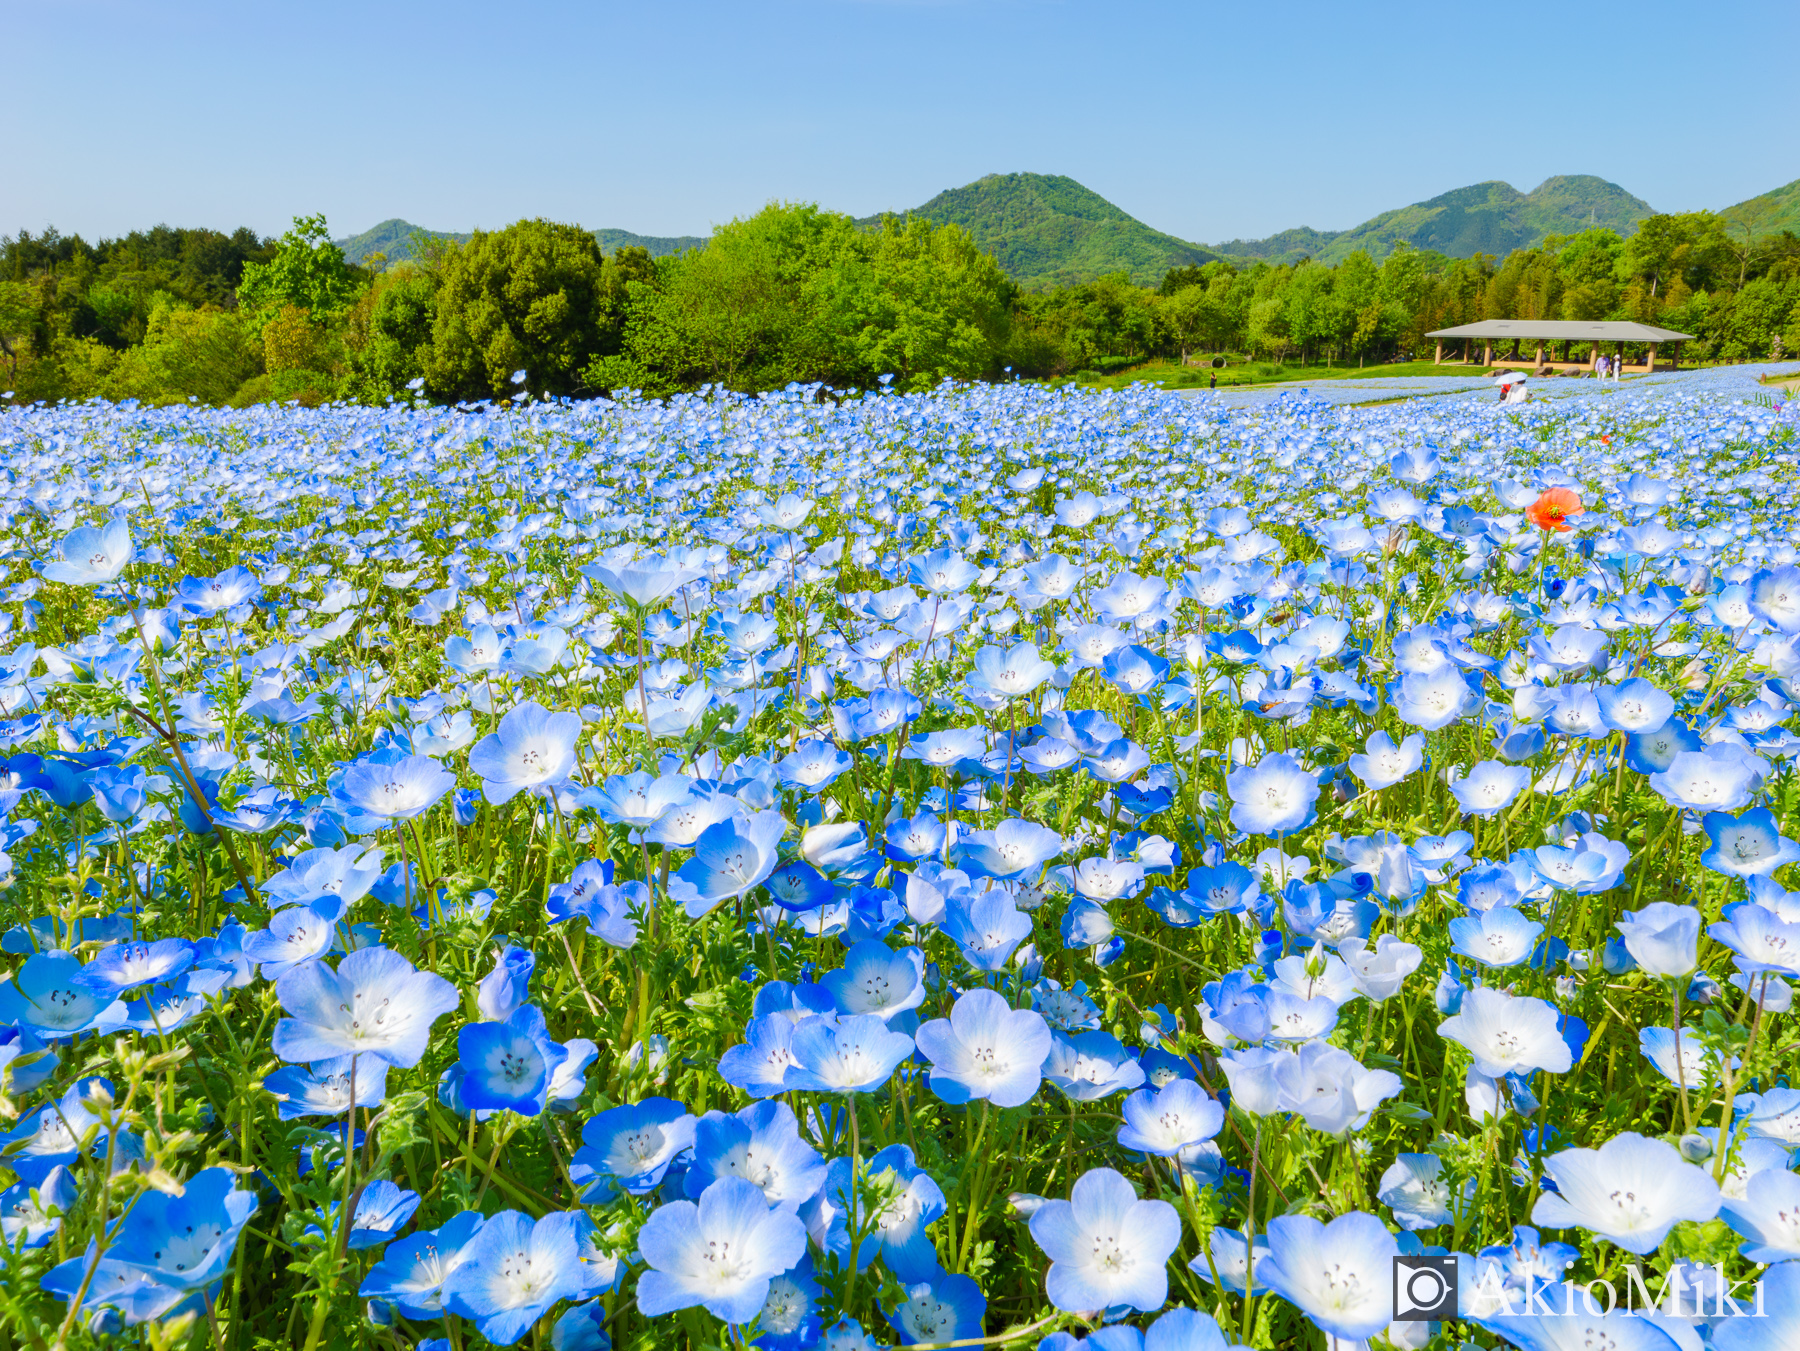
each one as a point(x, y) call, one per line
point(1384, 764)
point(507, 1065)
point(323, 1089)
point(1339, 1275)
point(1012, 673)
point(1631, 1192)
point(92, 555)
point(50, 995)
point(507, 986)
point(375, 1002)
point(1230, 1259)
point(582, 1327)
point(1089, 1066)
point(789, 1320)
point(897, 1202)
point(1634, 706)
point(25, 1063)
point(759, 1065)
point(730, 858)
point(1488, 788)
point(986, 1050)
point(1014, 849)
point(53, 1135)
point(1662, 937)
point(1414, 1188)
point(1720, 777)
point(813, 766)
point(1432, 701)
point(347, 874)
point(760, 1144)
point(1768, 1215)
point(987, 926)
point(1167, 1120)
point(632, 1146)
point(876, 979)
point(530, 748)
point(845, 1055)
point(402, 790)
point(182, 1243)
point(1329, 1088)
point(1699, 1065)
point(1759, 939)
point(1499, 937)
point(1275, 797)
point(29, 1221)
point(1579, 1317)
point(381, 1213)
point(1750, 845)
point(644, 583)
point(1508, 1034)
point(125, 966)
point(1590, 865)
point(513, 1271)
point(720, 1253)
point(1106, 1247)
point(1774, 597)
point(412, 1270)
point(295, 935)
point(1380, 971)
point(948, 1309)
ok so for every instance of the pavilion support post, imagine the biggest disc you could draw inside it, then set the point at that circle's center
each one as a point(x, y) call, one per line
point(1487, 354)
point(1438, 360)
point(1650, 360)
point(1539, 370)
point(1675, 357)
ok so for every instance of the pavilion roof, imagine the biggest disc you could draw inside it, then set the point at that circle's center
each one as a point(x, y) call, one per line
point(1561, 330)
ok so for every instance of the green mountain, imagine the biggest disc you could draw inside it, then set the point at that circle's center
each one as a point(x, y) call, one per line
point(1485, 218)
point(395, 238)
point(1046, 229)
point(1772, 212)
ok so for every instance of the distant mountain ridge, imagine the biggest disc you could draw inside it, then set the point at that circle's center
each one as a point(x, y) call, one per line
point(1046, 229)
point(1492, 217)
point(394, 240)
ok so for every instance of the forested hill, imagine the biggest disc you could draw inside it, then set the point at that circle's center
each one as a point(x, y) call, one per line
point(1772, 212)
point(1493, 218)
point(1046, 230)
point(394, 240)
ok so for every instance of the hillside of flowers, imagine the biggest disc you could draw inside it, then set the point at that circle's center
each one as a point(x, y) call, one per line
point(999, 866)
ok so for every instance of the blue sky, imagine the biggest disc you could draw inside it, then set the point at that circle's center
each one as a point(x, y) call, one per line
point(1209, 121)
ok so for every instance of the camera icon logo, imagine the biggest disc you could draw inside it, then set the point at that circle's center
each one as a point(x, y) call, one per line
point(1424, 1289)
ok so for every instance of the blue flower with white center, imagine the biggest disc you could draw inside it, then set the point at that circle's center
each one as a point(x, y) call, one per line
point(1383, 764)
point(1768, 1215)
point(375, 1002)
point(1013, 850)
point(790, 1320)
point(1106, 1247)
point(947, 1310)
point(507, 1066)
point(1508, 1033)
point(1631, 1192)
point(986, 1050)
point(581, 1328)
point(1499, 937)
point(1720, 777)
point(504, 990)
point(1090, 1065)
point(633, 1145)
point(897, 1201)
point(92, 555)
point(845, 1055)
point(531, 747)
point(759, 1065)
point(875, 979)
point(513, 1271)
point(129, 964)
point(1413, 1187)
point(987, 926)
point(1339, 1275)
point(323, 1089)
point(185, 1242)
point(410, 1274)
point(1749, 845)
point(1634, 706)
point(1230, 1260)
point(1488, 788)
point(1694, 1060)
point(30, 1216)
point(1759, 939)
point(760, 1144)
point(347, 873)
point(1275, 797)
point(50, 995)
point(296, 935)
point(1168, 1120)
point(1662, 938)
point(721, 1253)
point(813, 766)
point(381, 1213)
point(402, 790)
point(730, 858)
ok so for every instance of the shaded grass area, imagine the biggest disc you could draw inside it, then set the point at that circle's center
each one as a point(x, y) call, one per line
point(1173, 375)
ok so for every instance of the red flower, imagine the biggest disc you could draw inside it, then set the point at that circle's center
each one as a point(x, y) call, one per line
point(1553, 508)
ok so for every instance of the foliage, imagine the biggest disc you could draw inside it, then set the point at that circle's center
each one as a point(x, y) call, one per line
point(308, 272)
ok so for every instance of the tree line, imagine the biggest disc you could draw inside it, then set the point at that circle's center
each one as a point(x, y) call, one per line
point(793, 293)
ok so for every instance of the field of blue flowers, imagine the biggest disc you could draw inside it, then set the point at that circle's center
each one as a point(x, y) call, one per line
point(995, 867)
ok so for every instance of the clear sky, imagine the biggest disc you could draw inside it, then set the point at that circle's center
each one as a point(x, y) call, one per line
point(1209, 121)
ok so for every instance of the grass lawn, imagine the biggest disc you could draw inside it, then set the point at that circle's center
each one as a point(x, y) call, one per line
point(1172, 375)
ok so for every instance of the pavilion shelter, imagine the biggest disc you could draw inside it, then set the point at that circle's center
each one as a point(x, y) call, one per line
point(1492, 334)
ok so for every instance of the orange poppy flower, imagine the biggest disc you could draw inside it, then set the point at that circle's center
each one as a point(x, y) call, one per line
point(1553, 508)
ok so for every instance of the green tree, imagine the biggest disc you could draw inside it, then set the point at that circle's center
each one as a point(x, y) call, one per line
point(523, 298)
point(308, 272)
point(18, 315)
